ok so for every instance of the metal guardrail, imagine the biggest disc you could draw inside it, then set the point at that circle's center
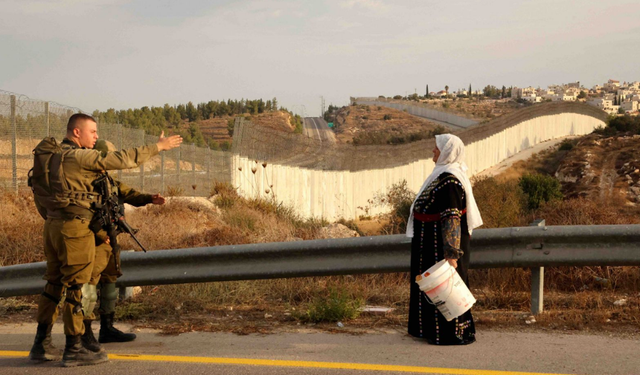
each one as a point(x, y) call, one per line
point(599, 245)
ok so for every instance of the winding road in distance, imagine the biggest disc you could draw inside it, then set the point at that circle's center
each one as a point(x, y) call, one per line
point(317, 128)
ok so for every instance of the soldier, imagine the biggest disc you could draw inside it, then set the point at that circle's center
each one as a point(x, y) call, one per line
point(62, 183)
point(105, 270)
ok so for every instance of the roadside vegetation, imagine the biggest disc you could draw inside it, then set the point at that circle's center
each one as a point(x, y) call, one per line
point(584, 298)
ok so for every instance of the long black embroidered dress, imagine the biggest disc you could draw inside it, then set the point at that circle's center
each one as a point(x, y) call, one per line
point(442, 230)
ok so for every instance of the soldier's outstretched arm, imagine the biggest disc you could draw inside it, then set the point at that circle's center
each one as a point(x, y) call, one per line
point(131, 158)
point(132, 196)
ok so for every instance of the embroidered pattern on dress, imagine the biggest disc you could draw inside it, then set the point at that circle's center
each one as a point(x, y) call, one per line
point(427, 197)
point(451, 237)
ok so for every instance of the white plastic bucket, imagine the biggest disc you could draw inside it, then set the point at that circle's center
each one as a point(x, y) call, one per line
point(444, 287)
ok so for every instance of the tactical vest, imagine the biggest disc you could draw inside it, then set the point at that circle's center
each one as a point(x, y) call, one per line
point(48, 183)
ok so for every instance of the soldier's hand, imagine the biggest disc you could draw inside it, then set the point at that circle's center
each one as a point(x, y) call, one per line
point(168, 143)
point(157, 199)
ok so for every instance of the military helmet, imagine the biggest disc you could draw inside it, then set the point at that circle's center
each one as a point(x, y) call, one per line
point(104, 146)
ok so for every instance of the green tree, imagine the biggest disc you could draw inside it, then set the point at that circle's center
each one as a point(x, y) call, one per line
point(191, 112)
point(540, 189)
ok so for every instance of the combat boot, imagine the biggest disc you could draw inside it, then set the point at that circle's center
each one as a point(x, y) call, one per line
point(77, 355)
point(43, 349)
point(89, 340)
point(109, 333)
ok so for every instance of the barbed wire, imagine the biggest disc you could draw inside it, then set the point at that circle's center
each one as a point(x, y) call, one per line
point(26, 99)
point(191, 170)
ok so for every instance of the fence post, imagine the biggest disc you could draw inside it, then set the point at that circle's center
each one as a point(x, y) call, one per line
point(46, 118)
point(120, 146)
point(142, 165)
point(537, 281)
point(208, 170)
point(14, 144)
point(193, 169)
point(162, 173)
point(179, 154)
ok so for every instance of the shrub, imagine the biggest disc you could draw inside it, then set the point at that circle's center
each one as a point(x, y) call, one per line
point(386, 117)
point(174, 191)
point(226, 195)
point(625, 124)
point(540, 189)
point(501, 204)
point(397, 97)
point(399, 198)
point(338, 305)
point(566, 145)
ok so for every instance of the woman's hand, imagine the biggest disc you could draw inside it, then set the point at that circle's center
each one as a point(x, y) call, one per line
point(453, 262)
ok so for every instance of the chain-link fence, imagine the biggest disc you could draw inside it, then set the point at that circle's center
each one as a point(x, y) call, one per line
point(187, 170)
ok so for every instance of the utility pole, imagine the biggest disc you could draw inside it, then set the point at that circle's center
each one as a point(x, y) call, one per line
point(322, 106)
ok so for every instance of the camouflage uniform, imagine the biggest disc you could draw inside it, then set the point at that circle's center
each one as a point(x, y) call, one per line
point(106, 272)
point(69, 244)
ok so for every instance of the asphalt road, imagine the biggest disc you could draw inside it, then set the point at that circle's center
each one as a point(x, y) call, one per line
point(388, 352)
point(317, 128)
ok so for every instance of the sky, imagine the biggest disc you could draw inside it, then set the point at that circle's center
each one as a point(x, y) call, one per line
point(101, 54)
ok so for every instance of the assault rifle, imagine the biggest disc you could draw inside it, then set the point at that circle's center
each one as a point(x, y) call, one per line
point(109, 216)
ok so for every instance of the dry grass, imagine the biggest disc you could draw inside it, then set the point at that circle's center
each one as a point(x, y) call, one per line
point(575, 298)
point(20, 230)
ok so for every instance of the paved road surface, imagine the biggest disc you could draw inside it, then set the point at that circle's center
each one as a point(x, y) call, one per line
point(317, 128)
point(390, 352)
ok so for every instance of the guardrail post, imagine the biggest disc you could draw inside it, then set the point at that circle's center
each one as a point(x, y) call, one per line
point(537, 281)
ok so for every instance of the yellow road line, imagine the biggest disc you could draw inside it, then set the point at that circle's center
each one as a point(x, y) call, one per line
point(311, 364)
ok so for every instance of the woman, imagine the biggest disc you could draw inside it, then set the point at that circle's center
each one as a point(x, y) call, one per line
point(442, 218)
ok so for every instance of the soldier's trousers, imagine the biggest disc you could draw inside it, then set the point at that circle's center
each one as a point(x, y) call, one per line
point(105, 272)
point(69, 247)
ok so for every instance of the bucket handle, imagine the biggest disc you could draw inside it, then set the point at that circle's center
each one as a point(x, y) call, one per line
point(448, 295)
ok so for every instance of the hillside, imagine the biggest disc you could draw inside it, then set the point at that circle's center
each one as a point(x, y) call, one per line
point(217, 130)
point(363, 124)
point(603, 168)
point(473, 108)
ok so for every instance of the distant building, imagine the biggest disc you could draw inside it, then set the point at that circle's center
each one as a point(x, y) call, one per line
point(612, 85)
point(575, 85)
point(604, 104)
point(630, 106)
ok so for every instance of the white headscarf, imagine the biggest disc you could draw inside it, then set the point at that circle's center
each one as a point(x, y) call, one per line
point(451, 160)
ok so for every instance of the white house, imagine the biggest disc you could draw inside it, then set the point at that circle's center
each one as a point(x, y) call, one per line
point(629, 106)
point(604, 104)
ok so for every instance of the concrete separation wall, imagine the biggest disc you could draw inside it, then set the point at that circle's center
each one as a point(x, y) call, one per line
point(337, 182)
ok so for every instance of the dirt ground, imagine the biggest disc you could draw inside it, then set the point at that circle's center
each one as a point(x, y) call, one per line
point(621, 321)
